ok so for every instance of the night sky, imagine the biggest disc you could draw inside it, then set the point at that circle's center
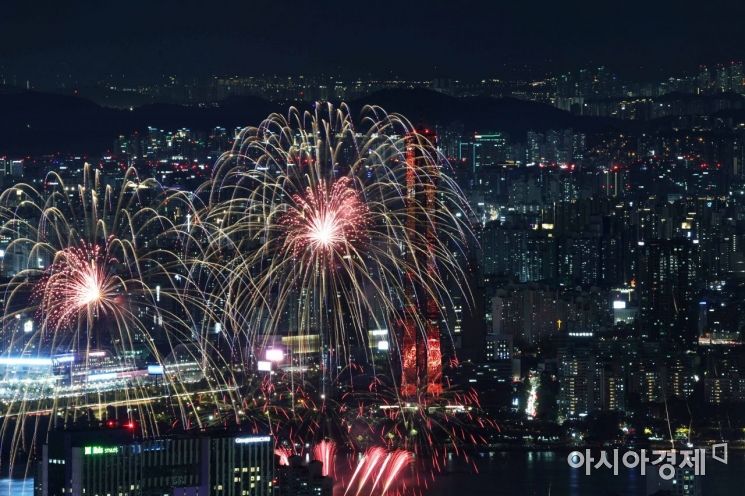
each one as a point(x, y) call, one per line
point(411, 38)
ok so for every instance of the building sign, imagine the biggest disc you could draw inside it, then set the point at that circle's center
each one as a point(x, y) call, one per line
point(100, 450)
point(253, 439)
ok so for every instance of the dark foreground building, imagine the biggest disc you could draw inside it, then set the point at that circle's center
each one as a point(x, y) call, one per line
point(106, 463)
point(297, 479)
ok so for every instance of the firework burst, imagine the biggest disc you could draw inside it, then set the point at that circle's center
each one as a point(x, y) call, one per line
point(312, 233)
point(326, 222)
point(99, 287)
point(77, 285)
point(323, 229)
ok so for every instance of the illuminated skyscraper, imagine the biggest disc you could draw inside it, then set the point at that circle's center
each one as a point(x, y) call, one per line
point(112, 462)
point(421, 355)
point(484, 151)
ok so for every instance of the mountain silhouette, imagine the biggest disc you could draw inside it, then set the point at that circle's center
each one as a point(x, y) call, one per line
point(34, 122)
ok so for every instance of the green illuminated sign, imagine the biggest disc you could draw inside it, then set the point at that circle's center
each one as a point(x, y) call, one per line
point(100, 450)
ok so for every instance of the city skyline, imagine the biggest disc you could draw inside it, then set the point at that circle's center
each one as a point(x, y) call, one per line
point(372, 249)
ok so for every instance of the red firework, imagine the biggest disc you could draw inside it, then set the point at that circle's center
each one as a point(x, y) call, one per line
point(284, 455)
point(326, 220)
point(78, 284)
point(324, 452)
point(379, 472)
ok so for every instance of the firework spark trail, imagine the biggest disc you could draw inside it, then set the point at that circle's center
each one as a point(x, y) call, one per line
point(377, 465)
point(324, 452)
point(305, 231)
point(326, 221)
point(401, 459)
point(284, 455)
point(369, 463)
point(315, 221)
point(77, 284)
point(381, 472)
point(313, 217)
point(99, 272)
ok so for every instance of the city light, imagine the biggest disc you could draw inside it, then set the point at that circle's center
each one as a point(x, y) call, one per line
point(263, 282)
point(100, 450)
point(253, 439)
point(275, 355)
point(26, 361)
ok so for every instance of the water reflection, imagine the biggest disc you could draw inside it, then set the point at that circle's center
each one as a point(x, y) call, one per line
point(519, 473)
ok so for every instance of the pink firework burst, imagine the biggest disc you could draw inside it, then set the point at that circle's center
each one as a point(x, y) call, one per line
point(78, 284)
point(327, 220)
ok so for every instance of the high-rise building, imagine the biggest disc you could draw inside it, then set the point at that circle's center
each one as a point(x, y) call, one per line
point(736, 77)
point(667, 277)
point(103, 463)
point(297, 479)
point(518, 250)
point(579, 393)
point(684, 481)
point(421, 355)
point(484, 151)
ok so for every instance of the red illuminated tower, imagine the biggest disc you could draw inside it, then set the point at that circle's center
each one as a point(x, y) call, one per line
point(421, 357)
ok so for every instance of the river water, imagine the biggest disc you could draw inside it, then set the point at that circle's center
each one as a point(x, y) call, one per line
point(522, 473)
point(525, 473)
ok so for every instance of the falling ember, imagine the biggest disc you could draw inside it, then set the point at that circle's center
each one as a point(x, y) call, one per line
point(324, 453)
point(77, 284)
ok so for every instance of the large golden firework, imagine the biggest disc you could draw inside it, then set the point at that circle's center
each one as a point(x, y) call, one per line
point(316, 235)
point(98, 291)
